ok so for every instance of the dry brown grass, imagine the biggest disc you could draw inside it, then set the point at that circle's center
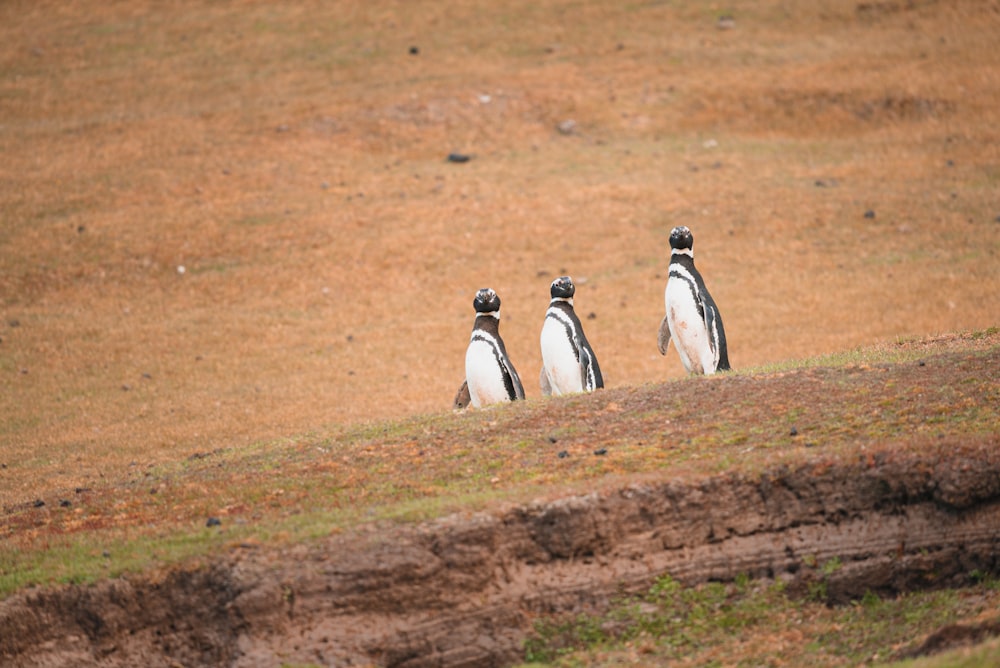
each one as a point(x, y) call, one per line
point(291, 158)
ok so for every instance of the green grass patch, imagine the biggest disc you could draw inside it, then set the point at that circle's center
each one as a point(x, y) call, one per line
point(743, 623)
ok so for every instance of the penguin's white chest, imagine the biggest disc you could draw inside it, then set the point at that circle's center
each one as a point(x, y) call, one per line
point(559, 357)
point(687, 328)
point(484, 372)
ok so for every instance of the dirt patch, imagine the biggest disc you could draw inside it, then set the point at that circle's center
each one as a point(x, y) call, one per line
point(463, 590)
point(953, 636)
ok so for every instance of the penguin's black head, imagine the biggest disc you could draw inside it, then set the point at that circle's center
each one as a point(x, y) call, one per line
point(562, 287)
point(486, 301)
point(681, 239)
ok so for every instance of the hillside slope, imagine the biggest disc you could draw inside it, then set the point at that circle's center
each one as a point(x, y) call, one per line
point(893, 473)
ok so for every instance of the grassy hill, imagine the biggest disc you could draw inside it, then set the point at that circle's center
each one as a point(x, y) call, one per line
point(236, 265)
point(910, 395)
point(919, 415)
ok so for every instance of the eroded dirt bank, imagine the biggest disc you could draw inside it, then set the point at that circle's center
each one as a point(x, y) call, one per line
point(464, 590)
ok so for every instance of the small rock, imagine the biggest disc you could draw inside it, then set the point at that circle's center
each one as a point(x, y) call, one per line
point(80, 229)
point(459, 157)
point(601, 451)
point(591, 316)
point(38, 503)
point(725, 22)
point(563, 454)
point(567, 127)
point(552, 439)
point(870, 213)
point(414, 50)
point(213, 522)
point(921, 363)
point(793, 432)
point(14, 323)
point(106, 554)
point(65, 503)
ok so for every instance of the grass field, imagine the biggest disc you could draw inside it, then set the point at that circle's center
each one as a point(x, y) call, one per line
point(235, 263)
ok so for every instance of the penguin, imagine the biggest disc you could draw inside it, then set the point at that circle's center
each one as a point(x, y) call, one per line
point(568, 362)
point(490, 377)
point(692, 319)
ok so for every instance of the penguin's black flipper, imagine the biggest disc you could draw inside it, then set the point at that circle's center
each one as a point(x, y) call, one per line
point(712, 321)
point(664, 338)
point(590, 371)
point(462, 399)
point(515, 381)
point(717, 336)
point(716, 333)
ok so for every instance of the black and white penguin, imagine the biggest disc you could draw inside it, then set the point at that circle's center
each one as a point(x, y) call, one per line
point(692, 319)
point(568, 361)
point(490, 377)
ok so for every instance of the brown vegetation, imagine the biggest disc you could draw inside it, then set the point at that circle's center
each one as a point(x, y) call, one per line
point(229, 236)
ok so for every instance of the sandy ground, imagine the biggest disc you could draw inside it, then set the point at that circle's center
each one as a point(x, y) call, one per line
point(228, 224)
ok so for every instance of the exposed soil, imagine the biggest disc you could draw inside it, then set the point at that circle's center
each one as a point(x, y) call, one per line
point(463, 591)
